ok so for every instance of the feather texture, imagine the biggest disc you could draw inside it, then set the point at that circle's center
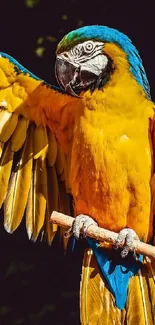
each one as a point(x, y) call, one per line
point(98, 304)
point(36, 207)
point(19, 135)
point(52, 202)
point(64, 205)
point(28, 105)
point(52, 149)
point(16, 199)
point(40, 142)
point(63, 167)
point(8, 124)
point(5, 170)
point(1, 148)
point(60, 161)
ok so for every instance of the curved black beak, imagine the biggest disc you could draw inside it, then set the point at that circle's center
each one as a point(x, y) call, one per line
point(67, 75)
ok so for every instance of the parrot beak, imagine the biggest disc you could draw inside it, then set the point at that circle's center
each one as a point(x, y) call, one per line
point(72, 77)
point(67, 75)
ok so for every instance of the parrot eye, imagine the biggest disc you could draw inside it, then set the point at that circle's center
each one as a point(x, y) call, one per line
point(89, 46)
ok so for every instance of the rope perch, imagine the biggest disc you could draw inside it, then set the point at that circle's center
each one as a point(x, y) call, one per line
point(102, 234)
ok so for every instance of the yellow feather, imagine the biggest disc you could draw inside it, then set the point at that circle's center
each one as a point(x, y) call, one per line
point(40, 142)
point(8, 123)
point(16, 199)
point(52, 202)
point(67, 174)
point(19, 135)
point(152, 183)
point(60, 160)
point(63, 167)
point(62, 176)
point(5, 170)
point(52, 149)
point(29, 211)
point(36, 207)
point(64, 207)
point(7, 72)
point(97, 304)
point(150, 272)
point(139, 302)
point(135, 303)
point(1, 148)
point(4, 118)
point(144, 300)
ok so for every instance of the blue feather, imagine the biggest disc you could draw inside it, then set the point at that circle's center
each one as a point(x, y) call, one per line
point(21, 69)
point(18, 66)
point(115, 270)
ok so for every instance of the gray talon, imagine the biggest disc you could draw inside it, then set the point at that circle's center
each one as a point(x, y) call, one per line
point(126, 235)
point(82, 222)
point(68, 233)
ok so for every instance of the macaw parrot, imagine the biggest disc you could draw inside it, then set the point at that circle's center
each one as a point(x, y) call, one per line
point(92, 137)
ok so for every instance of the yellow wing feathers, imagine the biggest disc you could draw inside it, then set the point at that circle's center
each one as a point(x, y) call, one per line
point(23, 179)
point(52, 149)
point(8, 123)
point(18, 188)
point(19, 135)
point(5, 170)
point(32, 164)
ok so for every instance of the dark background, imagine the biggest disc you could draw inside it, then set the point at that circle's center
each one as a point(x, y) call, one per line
point(38, 285)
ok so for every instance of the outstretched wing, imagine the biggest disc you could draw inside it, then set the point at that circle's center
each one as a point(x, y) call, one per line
point(33, 166)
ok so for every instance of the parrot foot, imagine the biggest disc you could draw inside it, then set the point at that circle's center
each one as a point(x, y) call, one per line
point(81, 222)
point(126, 235)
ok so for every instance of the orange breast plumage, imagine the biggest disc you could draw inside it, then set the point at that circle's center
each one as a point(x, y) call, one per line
point(111, 164)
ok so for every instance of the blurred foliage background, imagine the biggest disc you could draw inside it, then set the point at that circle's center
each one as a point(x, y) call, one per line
point(38, 284)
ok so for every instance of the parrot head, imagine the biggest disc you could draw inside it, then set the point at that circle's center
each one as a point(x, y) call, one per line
point(88, 57)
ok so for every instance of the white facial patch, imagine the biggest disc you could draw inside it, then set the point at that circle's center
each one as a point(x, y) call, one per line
point(88, 55)
point(96, 64)
point(84, 49)
point(82, 52)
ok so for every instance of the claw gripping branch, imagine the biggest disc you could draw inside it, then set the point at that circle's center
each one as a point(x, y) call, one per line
point(102, 234)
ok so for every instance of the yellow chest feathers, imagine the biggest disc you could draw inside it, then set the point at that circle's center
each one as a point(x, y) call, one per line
point(111, 155)
point(115, 125)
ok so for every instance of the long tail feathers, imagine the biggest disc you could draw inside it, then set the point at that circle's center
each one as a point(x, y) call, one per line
point(98, 304)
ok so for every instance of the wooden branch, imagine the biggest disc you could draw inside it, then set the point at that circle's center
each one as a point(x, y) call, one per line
point(102, 234)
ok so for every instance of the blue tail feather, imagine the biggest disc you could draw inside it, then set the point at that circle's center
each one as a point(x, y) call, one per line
point(115, 270)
